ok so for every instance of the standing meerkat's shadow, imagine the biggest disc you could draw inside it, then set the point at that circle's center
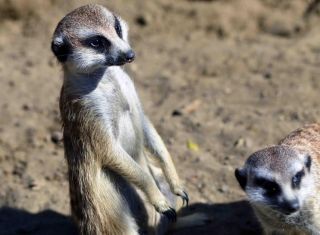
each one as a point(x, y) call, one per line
point(19, 222)
point(233, 218)
point(226, 219)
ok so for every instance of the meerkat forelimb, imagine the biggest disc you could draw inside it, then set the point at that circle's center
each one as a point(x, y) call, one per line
point(282, 183)
point(114, 188)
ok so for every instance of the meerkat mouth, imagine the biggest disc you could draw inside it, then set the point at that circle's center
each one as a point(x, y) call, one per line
point(130, 60)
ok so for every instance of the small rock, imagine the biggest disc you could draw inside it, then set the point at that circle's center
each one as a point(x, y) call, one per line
point(56, 137)
point(223, 189)
point(191, 107)
point(278, 25)
point(34, 185)
point(267, 75)
point(142, 20)
point(241, 142)
point(294, 116)
point(176, 112)
point(26, 107)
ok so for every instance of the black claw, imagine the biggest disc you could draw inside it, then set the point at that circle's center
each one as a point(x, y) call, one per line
point(185, 199)
point(171, 214)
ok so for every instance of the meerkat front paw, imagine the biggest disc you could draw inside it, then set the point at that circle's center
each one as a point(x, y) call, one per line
point(179, 191)
point(164, 208)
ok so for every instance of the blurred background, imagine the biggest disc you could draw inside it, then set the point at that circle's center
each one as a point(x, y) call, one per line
point(220, 79)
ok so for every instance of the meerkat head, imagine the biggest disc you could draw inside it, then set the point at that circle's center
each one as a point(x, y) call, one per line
point(277, 178)
point(91, 37)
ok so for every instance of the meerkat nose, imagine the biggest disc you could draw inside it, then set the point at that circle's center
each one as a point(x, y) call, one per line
point(291, 206)
point(130, 56)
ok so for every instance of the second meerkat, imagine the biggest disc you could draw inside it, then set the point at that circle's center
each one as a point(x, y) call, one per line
point(114, 187)
point(283, 183)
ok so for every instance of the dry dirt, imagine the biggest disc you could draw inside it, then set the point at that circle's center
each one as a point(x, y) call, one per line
point(231, 76)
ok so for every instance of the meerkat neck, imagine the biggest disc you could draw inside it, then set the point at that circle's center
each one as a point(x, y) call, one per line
point(82, 83)
point(93, 75)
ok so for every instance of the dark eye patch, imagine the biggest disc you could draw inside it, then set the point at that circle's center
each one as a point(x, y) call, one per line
point(271, 187)
point(296, 180)
point(117, 26)
point(97, 42)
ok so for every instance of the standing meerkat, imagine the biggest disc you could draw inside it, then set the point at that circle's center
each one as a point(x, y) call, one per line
point(116, 187)
point(282, 183)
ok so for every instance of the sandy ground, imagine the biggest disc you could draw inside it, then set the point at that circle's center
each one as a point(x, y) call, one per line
point(231, 76)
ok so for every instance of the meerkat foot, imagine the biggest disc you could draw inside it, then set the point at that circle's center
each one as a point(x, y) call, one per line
point(171, 214)
point(183, 194)
point(164, 208)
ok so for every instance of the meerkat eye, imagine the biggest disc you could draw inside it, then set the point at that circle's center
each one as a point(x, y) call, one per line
point(99, 43)
point(271, 187)
point(96, 43)
point(117, 26)
point(296, 180)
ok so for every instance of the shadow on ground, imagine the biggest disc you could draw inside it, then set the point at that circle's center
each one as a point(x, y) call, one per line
point(229, 219)
point(236, 218)
point(19, 222)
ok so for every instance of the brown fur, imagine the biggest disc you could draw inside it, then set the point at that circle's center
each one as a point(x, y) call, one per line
point(306, 141)
point(85, 17)
point(95, 202)
point(115, 188)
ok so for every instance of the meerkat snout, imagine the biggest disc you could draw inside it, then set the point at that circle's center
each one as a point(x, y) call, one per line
point(125, 57)
point(130, 56)
point(290, 207)
point(91, 38)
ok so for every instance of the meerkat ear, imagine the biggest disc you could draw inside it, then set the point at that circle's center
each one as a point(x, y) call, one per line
point(60, 48)
point(308, 162)
point(241, 176)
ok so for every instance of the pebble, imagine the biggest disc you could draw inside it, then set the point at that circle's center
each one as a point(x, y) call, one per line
point(26, 107)
point(241, 142)
point(267, 75)
point(176, 112)
point(56, 137)
point(223, 189)
point(142, 20)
